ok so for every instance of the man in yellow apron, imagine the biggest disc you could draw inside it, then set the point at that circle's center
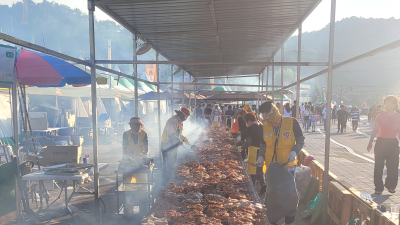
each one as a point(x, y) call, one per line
point(171, 139)
point(135, 145)
point(134, 141)
point(282, 141)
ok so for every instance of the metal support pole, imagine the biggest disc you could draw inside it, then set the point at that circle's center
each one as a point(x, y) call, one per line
point(266, 88)
point(328, 114)
point(14, 100)
point(341, 92)
point(159, 107)
point(135, 72)
point(190, 93)
point(258, 96)
point(97, 213)
point(298, 72)
point(273, 81)
point(282, 59)
point(262, 86)
point(172, 90)
point(195, 104)
point(183, 88)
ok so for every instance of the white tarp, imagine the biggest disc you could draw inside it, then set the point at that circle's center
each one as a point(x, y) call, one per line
point(5, 116)
point(7, 61)
point(80, 108)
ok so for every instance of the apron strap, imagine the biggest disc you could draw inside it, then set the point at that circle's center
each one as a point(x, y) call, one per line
point(275, 156)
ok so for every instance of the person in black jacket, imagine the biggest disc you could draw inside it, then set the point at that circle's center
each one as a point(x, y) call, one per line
point(243, 131)
point(252, 143)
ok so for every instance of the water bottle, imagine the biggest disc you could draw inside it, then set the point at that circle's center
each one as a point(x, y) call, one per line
point(86, 159)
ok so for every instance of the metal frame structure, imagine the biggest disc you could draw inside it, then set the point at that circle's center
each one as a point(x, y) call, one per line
point(218, 38)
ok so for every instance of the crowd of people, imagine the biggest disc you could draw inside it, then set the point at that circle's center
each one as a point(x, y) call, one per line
point(386, 121)
point(276, 127)
point(217, 114)
point(313, 114)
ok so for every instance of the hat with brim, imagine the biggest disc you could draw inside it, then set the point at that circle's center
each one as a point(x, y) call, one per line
point(135, 120)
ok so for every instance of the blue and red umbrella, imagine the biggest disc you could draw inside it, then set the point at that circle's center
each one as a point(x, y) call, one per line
point(38, 69)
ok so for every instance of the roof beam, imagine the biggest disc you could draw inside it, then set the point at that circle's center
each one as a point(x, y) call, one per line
point(376, 51)
point(118, 2)
point(249, 30)
point(231, 77)
point(198, 63)
point(203, 84)
point(38, 48)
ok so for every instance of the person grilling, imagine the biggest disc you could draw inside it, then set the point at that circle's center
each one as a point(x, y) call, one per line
point(135, 143)
point(243, 132)
point(171, 139)
point(282, 141)
point(252, 143)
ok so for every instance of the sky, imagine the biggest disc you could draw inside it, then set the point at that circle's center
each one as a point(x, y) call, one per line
point(317, 20)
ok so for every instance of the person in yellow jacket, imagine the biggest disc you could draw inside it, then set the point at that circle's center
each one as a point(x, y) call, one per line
point(282, 141)
point(171, 139)
point(247, 108)
point(134, 141)
point(135, 145)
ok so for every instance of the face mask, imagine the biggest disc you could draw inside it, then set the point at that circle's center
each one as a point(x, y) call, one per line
point(273, 117)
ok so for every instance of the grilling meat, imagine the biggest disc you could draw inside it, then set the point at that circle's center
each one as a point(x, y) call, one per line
point(212, 190)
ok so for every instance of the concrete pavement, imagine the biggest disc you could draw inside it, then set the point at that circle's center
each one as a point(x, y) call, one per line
point(349, 159)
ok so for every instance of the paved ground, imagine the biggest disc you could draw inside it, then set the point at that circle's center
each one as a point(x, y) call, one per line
point(349, 159)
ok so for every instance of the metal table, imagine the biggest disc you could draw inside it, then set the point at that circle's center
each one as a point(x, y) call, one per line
point(41, 176)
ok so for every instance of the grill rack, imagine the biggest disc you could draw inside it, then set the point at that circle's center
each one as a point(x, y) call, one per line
point(192, 155)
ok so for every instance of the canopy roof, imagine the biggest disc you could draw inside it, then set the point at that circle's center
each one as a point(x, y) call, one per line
point(212, 30)
point(236, 96)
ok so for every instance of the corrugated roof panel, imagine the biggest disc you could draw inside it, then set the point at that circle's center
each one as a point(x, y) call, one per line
point(212, 30)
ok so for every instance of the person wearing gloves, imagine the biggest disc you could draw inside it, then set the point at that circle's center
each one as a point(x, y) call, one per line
point(171, 139)
point(282, 141)
point(252, 143)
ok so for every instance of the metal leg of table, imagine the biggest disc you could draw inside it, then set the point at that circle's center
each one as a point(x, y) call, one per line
point(116, 186)
point(67, 200)
point(41, 194)
point(61, 191)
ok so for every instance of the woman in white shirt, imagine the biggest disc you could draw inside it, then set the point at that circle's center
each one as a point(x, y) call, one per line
point(287, 111)
point(216, 116)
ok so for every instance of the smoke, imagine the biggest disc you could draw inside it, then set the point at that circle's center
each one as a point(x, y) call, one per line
point(192, 131)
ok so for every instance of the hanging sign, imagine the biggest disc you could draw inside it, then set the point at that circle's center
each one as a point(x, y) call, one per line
point(151, 72)
point(7, 61)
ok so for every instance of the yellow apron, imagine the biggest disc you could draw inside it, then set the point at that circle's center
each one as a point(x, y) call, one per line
point(252, 160)
point(164, 137)
point(135, 151)
point(286, 141)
